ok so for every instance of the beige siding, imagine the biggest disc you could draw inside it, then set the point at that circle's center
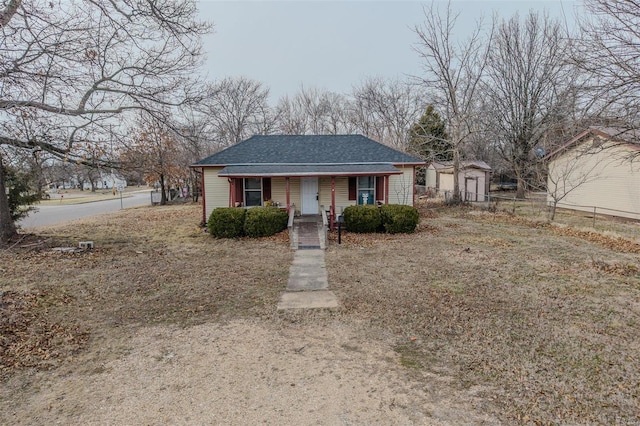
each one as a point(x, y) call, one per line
point(446, 182)
point(324, 192)
point(430, 177)
point(216, 190)
point(342, 193)
point(279, 191)
point(401, 187)
point(603, 177)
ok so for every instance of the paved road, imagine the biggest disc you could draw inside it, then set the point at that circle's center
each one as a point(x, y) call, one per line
point(52, 214)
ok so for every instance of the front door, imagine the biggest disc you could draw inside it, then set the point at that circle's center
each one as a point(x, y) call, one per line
point(309, 187)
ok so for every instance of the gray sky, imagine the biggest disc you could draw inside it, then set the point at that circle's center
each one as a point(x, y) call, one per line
point(333, 45)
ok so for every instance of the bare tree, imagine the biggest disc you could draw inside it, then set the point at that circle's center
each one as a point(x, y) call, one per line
point(385, 110)
point(238, 108)
point(315, 107)
point(528, 80)
point(337, 115)
point(290, 116)
point(609, 51)
point(312, 111)
point(452, 72)
point(69, 68)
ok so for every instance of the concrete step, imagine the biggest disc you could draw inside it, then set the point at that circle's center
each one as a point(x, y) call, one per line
point(307, 300)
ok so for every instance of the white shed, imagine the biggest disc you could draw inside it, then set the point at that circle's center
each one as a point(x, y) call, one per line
point(473, 179)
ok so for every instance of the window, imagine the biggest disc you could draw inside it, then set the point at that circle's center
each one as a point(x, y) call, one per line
point(366, 190)
point(252, 192)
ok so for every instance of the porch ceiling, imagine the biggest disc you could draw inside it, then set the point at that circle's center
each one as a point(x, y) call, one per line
point(308, 170)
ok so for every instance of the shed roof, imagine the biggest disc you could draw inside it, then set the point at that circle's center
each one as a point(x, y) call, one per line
point(308, 150)
point(477, 164)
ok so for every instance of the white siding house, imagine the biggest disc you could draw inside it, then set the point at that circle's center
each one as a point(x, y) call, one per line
point(599, 168)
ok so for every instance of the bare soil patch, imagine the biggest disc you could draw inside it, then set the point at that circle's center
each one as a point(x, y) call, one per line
point(474, 319)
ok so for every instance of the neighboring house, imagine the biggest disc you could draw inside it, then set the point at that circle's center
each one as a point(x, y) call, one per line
point(600, 167)
point(107, 181)
point(473, 179)
point(307, 171)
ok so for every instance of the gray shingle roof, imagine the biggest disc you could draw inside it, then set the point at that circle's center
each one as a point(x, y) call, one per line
point(308, 149)
point(307, 169)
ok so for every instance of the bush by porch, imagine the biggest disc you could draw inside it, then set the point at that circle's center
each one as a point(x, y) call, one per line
point(390, 218)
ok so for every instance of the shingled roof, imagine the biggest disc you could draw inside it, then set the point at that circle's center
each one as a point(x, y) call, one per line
point(308, 150)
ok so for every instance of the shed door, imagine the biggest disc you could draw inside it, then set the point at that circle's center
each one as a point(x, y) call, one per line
point(471, 189)
point(309, 188)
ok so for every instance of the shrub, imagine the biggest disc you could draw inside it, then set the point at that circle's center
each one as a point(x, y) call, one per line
point(227, 222)
point(362, 219)
point(397, 218)
point(265, 221)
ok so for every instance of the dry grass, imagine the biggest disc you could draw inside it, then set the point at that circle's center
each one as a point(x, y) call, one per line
point(544, 321)
point(547, 322)
point(150, 265)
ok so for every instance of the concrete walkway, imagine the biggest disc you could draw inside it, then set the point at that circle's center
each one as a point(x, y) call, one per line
point(308, 285)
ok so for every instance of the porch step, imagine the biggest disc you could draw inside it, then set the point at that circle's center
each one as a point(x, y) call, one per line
point(307, 233)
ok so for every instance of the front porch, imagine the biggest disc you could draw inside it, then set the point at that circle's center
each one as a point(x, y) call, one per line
point(311, 195)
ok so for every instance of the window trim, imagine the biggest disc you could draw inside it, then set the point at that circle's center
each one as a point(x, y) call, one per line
point(245, 190)
point(371, 189)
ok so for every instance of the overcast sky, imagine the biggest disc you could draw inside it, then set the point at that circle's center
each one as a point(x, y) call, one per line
point(333, 45)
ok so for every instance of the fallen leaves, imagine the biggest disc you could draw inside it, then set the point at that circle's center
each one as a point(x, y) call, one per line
point(614, 243)
point(27, 336)
point(619, 244)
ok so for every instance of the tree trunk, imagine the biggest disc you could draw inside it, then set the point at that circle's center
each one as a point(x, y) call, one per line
point(456, 199)
point(7, 226)
point(521, 189)
point(163, 191)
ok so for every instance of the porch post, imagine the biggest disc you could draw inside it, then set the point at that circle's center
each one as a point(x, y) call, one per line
point(232, 192)
point(333, 202)
point(286, 181)
point(204, 203)
point(386, 189)
point(413, 187)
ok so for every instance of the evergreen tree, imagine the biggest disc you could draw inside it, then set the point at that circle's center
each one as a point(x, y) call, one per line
point(428, 138)
point(22, 192)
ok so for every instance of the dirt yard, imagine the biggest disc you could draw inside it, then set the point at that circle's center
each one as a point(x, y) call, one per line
point(478, 318)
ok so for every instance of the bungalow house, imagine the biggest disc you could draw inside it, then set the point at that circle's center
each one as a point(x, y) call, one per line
point(597, 169)
point(305, 172)
point(473, 179)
